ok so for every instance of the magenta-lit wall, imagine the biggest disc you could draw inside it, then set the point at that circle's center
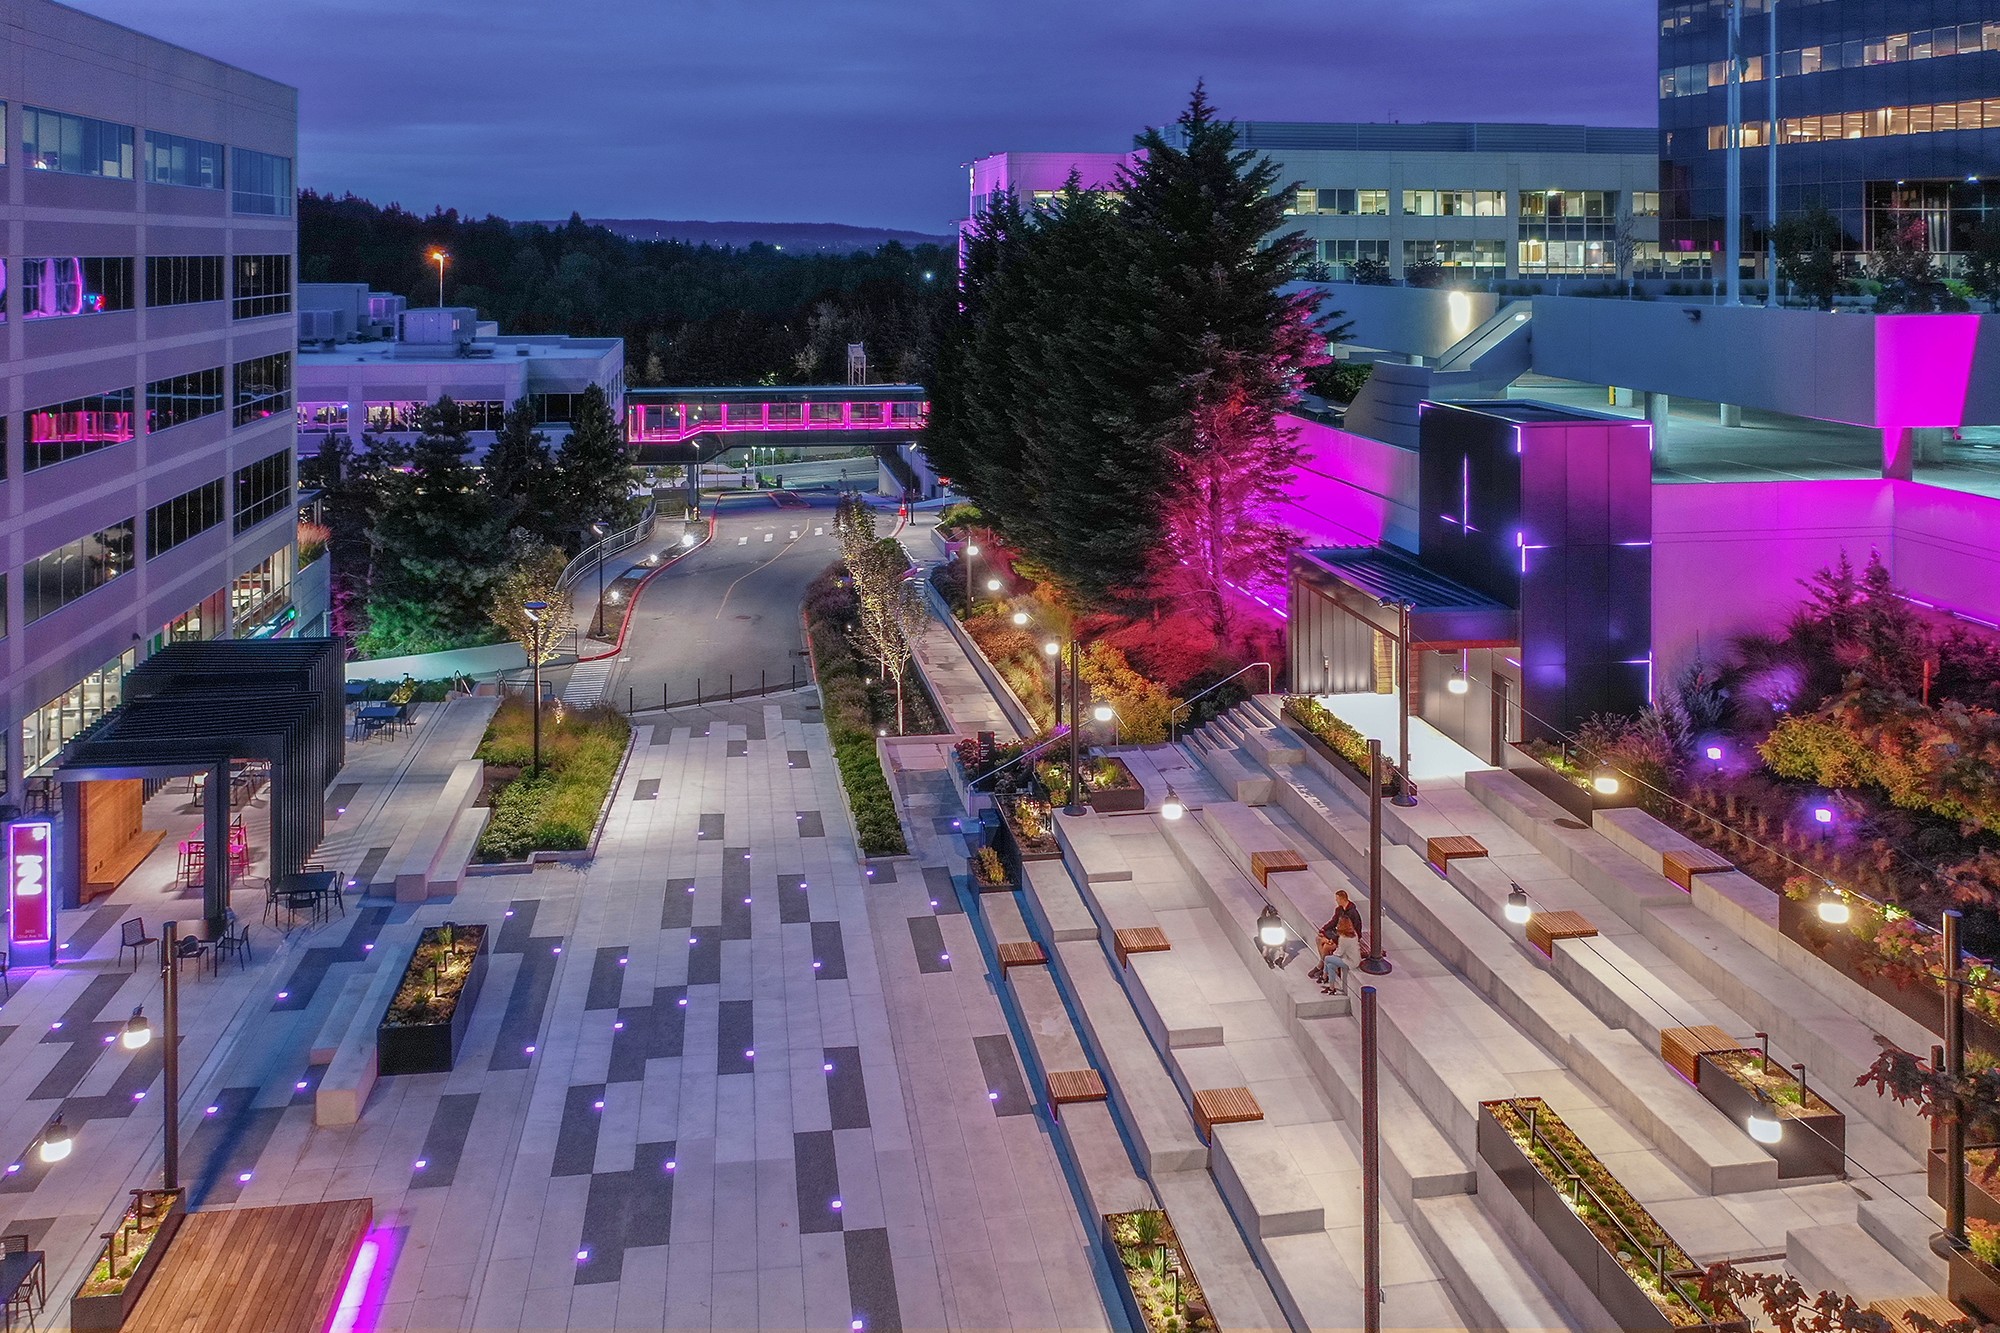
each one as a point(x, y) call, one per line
point(1351, 490)
point(1728, 556)
point(1025, 173)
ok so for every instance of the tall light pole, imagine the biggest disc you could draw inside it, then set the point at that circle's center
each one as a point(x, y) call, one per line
point(137, 1035)
point(1771, 157)
point(971, 550)
point(1371, 1167)
point(1076, 806)
point(1375, 963)
point(1732, 187)
point(438, 257)
point(597, 622)
point(1954, 1063)
point(534, 610)
point(1403, 610)
point(1053, 651)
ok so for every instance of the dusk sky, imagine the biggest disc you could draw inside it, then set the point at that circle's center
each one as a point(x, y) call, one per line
point(859, 111)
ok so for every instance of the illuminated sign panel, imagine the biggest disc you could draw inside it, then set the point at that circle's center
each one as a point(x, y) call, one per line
point(29, 863)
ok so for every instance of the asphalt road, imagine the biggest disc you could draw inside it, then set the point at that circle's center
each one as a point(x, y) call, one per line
point(731, 607)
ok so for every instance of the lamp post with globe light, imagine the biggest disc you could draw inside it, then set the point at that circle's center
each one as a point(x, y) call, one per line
point(534, 610)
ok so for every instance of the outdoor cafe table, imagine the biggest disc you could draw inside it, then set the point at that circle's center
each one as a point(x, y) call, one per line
point(309, 888)
point(373, 717)
point(22, 1268)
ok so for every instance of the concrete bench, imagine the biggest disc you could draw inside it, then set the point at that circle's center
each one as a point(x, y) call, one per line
point(1545, 928)
point(1236, 778)
point(418, 854)
point(1264, 1184)
point(1168, 1002)
point(1625, 885)
point(1090, 851)
point(1703, 1144)
point(1441, 852)
point(1626, 994)
point(1267, 863)
point(1163, 1135)
point(1844, 1258)
point(1418, 1161)
point(1072, 1087)
point(1224, 1106)
point(350, 1076)
point(1021, 953)
point(448, 870)
point(1053, 904)
point(1683, 1047)
point(1138, 939)
point(1494, 1286)
point(326, 1043)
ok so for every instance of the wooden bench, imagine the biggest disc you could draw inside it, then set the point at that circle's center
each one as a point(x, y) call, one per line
point(1545, 928)
point(1680, 867)
point(1682, 1048)
point(1935, 1308)
point(1265, 864)
point(1139, 939)
point(1074, 1085)
point(1224, 1106)
point(255, 1270)
point(1025, 953)
point(1441, 852)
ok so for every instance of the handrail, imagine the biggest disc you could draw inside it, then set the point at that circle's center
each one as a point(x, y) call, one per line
point(609, 545)
point(1173, 717)
point(1029, 752)
point(1582, 1186)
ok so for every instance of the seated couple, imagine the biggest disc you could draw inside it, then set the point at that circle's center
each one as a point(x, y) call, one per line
point(1339, 945)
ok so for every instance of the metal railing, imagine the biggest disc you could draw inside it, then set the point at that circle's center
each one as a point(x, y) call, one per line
point(607, 546)
point(1173, 718)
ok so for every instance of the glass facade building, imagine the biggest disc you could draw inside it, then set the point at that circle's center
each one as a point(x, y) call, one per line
point(1888, 116)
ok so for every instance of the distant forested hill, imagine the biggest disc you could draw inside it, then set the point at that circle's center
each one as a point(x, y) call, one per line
point(689, 314)
point(830, 238)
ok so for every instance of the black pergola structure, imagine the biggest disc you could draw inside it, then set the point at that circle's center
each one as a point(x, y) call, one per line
point(199, 708)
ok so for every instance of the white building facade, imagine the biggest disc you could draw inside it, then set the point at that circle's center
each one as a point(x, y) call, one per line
point(147, 244)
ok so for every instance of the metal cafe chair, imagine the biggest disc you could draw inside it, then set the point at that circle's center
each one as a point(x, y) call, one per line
point(234, 941)
point(132, 935)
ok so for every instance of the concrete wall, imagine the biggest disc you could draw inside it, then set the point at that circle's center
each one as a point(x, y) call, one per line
point(1351, 490)
point(1728, 556)
point(1410, 321)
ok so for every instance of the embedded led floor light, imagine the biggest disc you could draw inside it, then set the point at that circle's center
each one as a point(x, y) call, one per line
point(56, 1142)
point(1518, 910)
point(138, 1032)
point(1173, 807)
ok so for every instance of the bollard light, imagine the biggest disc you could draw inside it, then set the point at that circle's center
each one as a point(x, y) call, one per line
point(1270, 928)
point(138, 1032)
point(1518, 910)
point(56, 1142)
point(1172, 807)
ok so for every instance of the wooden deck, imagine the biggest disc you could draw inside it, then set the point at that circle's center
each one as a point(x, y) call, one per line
point(254, 1270)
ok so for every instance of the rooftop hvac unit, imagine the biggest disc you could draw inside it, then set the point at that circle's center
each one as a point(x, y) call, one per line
point(440, 326)
point(318, 325)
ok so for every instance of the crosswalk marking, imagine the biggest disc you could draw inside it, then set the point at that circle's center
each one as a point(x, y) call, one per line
point(769, 535)
point(819, 532)
point(742, 541)
point(793, 535)
point(586, 685)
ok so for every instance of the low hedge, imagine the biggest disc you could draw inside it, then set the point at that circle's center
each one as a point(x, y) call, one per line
point(557, 811)
point(849, 707)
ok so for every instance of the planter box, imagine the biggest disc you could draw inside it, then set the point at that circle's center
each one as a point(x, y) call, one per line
point(1979, 1203)
point(1596, 1267)
point(981, 886)
point(1334, 760)
point(1974, 1285)
point(1580, 802)
point(1837, 948)
point(113, 1308)
point(1192, 1294)
point(1118, 800)
point(432, 1048)
point(1812, 1145)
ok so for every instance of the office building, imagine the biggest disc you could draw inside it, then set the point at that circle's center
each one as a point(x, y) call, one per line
point(1888, 115)
point(1481, 200)
point(368, 366)
point(146, 390)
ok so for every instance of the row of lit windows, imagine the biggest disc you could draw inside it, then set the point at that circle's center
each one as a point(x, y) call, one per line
point(62, 431)
point(1673, 18)
point(53, 580)
point(261, 183)
point(1953, 40)
point(1472, 203)
point(57, 288)
point(1880, 122)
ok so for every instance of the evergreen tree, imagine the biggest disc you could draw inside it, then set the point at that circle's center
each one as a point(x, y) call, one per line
point(1228, 351)
point(439, 544)
point(1907, 270)
point(1982, 262)
point(593, 473)
point(1809, 255)
point(521, 475)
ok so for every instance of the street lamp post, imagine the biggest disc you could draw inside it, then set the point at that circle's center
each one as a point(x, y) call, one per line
point(1053, 650)
point(1954, 1061)
point(1375, 963)
point(1371, 1167)
point(170, 1014)
point(971, 550)
point(534, 613)
point(1076, 806)
point(1402, 765)
point(438, 257)
point(597, 623)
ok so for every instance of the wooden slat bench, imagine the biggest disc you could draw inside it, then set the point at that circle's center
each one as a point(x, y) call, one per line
point(254, 1270)
point(1682, 1047)
point(1264, 864)
point(1224, 1106)
point(1545, 928)
point(1935, 1308)
point(1139, 939)
point(1680, 867)
point(1074, 1085)
point(1025, 953)
point(1441, 852)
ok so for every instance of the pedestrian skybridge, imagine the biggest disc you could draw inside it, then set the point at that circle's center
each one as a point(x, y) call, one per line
point(687, 425)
